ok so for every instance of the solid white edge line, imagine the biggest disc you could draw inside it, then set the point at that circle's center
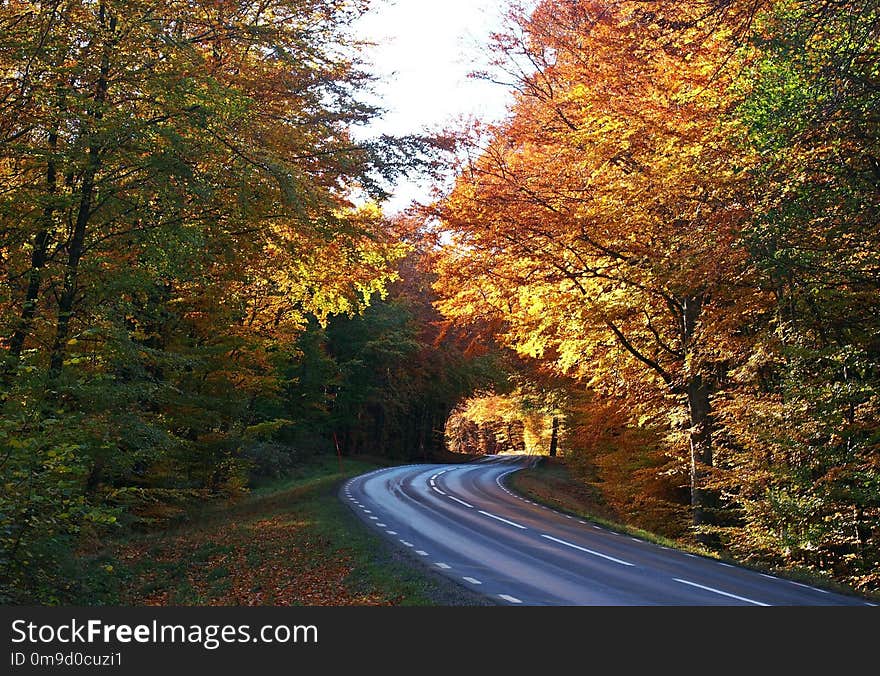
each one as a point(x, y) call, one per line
point(437, 490)
point(588, 551)
point(722, 593)
point(510, 523)
point(509, 599)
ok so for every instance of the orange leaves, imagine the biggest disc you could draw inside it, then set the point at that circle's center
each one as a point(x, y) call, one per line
point(275, 561)
point(606, 196)
point(597, 227)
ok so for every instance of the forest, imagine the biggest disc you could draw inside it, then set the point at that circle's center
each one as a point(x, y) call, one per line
point(662, 268)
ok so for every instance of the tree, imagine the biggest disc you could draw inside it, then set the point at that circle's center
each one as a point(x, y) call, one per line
point(681, 213)
point(598, 224)
point(181, 191)
point(805, 414)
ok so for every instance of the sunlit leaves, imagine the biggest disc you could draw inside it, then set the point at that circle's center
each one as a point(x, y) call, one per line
point(681, 212)
point(180, 193)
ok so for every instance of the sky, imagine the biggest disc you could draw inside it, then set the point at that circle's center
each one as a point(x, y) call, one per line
point(426, 48)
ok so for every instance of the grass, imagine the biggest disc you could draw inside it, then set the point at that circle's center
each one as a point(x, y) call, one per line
point(538, 483)
point(542, 484)
point(291, 541)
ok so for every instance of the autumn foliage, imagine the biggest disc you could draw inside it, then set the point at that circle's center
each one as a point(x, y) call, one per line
point(662, 267)
point(183, 211)
point(680, 214)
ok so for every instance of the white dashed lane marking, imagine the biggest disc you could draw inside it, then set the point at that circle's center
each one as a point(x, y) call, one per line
point(584, 549)
point(472, 580)
point(509, 523)
point(509, 599)
point(452, 497)
point(722, 593)
point(421, 552)
point(391, 532)
point(806, 586)
point(407, 544)
point(444, 566)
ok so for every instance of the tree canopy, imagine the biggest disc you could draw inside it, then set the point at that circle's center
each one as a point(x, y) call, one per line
point(680, 214)
point(662, 267)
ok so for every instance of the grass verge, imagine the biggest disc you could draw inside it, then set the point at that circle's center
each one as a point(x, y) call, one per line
point(551, 484)
point(289, 542)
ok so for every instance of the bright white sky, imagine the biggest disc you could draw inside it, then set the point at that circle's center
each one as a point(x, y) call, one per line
point(426, 48)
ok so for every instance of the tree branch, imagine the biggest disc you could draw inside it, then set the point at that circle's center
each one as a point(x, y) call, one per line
point(663, 373)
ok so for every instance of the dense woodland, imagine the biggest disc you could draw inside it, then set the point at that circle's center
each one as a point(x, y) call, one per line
point(663, 266)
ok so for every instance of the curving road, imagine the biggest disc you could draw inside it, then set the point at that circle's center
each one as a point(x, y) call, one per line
point(464, 522)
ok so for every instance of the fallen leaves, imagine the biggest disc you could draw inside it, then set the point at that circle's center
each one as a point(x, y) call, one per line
point(277, 561)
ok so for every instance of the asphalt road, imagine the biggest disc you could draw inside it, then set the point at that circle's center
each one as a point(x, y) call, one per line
point(464, 522)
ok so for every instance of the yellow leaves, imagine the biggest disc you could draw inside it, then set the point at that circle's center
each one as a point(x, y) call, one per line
point(598, 203)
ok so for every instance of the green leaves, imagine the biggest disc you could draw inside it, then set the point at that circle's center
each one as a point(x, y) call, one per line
point(177, 200)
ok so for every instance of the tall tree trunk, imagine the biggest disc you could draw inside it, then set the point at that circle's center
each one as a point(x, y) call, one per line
point(698, 391)
point(43, 237)
point(75, 249)
point(700, 410)
point(39, 255)
point(554, 436)
point(76, 245)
